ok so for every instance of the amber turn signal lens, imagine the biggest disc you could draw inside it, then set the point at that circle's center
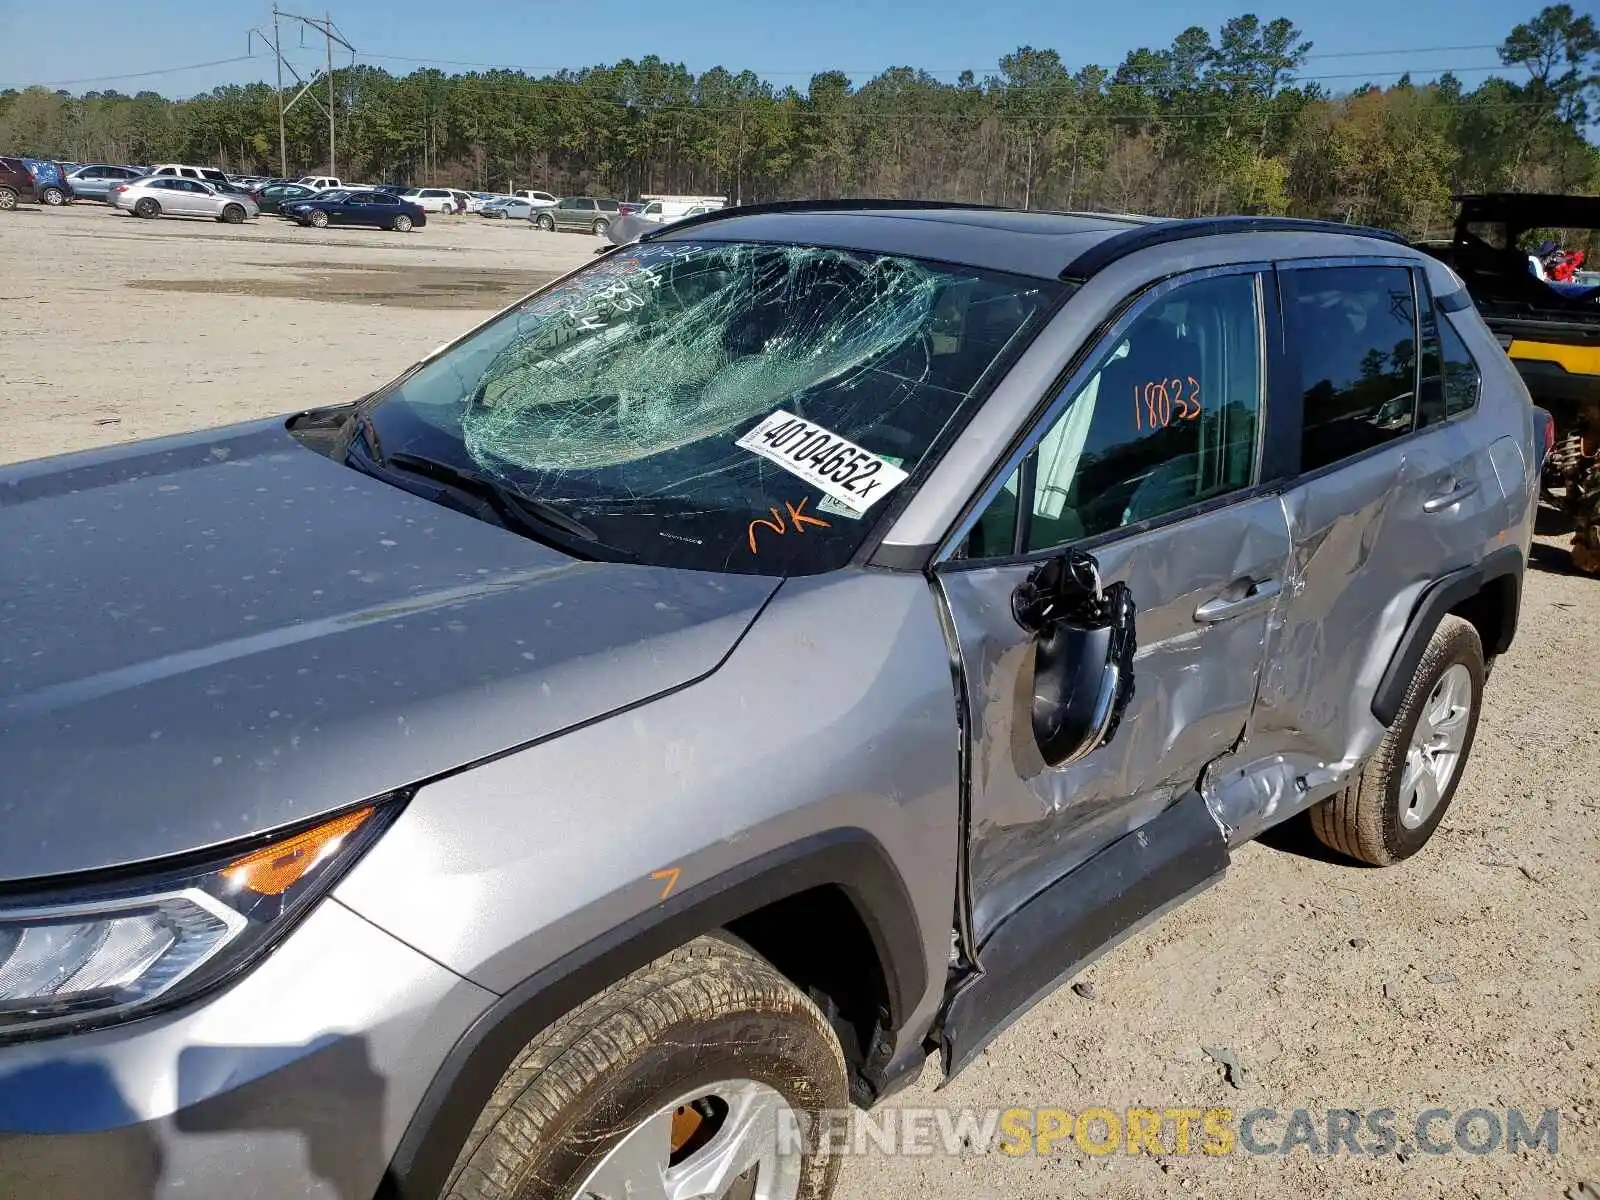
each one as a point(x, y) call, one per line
point(274, 870)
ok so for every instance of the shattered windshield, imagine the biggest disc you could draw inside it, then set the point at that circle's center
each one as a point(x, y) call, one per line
point(719, 406)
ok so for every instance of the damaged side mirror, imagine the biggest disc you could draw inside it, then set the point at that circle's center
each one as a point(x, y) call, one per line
point(1083, 647)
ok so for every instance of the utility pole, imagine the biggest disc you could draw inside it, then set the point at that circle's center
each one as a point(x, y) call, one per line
point(327, 29)
point(331, 34)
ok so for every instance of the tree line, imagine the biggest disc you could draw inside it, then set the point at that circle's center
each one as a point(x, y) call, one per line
point(1209, 124)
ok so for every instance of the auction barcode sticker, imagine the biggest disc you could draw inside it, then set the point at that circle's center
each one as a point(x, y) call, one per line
point(856, 478)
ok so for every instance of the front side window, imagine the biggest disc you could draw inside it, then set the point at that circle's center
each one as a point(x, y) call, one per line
point(620, 395)
point(1354, 333)
point(1169, 417)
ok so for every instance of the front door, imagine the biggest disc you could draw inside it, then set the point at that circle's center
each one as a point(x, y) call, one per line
point(1150, 460)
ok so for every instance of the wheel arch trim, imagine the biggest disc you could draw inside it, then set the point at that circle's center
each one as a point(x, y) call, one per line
point(1435, 603)
point(850, 859)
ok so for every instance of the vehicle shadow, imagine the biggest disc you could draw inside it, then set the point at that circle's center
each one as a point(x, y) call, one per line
point(95, 1137)
point(1553, 560)
point(1550, 521)
point(67, 1128)
point(1294, 836)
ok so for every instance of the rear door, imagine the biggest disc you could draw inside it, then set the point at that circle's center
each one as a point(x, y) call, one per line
point(1393, 492)
point(1150, 458)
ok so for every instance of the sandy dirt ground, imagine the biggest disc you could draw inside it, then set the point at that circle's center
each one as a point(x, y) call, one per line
point(1465, 978)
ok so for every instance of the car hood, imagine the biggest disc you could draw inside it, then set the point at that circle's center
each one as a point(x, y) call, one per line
point(210, 636)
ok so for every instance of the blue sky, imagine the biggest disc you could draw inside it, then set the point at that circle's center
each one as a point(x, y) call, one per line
point(62, 43)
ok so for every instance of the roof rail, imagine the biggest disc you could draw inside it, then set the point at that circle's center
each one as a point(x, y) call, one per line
point(1159, 233)
point(805, 206)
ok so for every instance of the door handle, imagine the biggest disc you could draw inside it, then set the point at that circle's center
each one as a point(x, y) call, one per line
point(1455, 495)
point(1224, 608)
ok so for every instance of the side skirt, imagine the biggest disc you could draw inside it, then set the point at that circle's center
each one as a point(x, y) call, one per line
point(1127, 886)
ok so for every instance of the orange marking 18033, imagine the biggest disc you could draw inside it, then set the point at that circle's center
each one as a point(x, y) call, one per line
point(1158, 403)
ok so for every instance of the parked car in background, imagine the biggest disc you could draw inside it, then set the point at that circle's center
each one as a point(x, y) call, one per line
point(273, 196)
point(537, 199)
point(16, 184)
point(433, 200)
point(50, 179)
point(506, 208)
point(94, 181)
point(183, 171)
point(367, 207)
point(319, 183)
point(579, 212)
point(166, 196)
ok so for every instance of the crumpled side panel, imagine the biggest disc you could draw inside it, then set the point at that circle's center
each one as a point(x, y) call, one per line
point(1194, 686)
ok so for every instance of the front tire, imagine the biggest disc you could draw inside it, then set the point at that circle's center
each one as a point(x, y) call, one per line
point(147, 208)
point(1403, 792)
point(690, 1069)
point(319, 219)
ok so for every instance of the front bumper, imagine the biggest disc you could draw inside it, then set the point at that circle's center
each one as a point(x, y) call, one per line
point(296, 1081)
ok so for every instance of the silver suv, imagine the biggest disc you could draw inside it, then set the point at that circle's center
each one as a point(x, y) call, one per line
point(780, 647)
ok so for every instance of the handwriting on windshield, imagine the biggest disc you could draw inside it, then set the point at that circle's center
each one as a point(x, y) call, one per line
point(1162, 401)
point(799, 518)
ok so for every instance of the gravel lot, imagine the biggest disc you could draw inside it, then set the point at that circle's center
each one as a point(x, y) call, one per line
point(1465, 978)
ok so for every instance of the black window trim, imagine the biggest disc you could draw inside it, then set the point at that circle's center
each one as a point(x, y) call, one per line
point(1443, 317)
point(1296, 476)
point(948, 555)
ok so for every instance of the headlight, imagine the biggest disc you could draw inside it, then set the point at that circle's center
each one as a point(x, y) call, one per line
point(101, 954)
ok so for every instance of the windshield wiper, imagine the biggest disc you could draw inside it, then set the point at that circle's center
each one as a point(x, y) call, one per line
point(519, 509)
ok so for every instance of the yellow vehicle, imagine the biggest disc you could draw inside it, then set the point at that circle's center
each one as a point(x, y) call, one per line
point(1515, 252)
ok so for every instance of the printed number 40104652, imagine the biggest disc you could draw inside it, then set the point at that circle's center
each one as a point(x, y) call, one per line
point(1158, 403)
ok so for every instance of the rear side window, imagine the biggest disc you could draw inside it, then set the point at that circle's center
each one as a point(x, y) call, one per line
point(1354, 333)
point(1450, 376)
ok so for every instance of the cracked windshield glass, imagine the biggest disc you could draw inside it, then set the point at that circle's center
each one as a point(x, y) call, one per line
point(717, 406)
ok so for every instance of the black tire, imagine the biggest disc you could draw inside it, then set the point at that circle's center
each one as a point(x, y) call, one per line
point(707, 1012)
point(600, 226)
point(318, 218)
point(233, 214)
point(53, 196)
point(147, 208)
point(546, 222)
point(401, 224)
point(1364, 821)
point(8, 199)
point(446, 209)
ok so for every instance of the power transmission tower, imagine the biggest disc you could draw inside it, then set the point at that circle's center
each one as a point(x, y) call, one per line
point(331, 34)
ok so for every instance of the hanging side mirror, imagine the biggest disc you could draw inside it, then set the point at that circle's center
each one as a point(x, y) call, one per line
point(1083, 647)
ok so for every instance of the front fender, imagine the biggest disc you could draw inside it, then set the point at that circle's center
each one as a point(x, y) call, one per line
point(822, 751)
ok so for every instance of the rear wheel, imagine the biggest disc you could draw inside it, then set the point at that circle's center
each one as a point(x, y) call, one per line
point(233, 214)
point(1401, 795)
point(401, 224)
point(684, 1080)
point(8, 199)
point(53, 196)
point(600, 227)
point(147, 208)
point(319, 218)
point(546, 222)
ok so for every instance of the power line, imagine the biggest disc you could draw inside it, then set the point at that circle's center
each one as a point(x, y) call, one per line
point(988, 67)
point(216, 62)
